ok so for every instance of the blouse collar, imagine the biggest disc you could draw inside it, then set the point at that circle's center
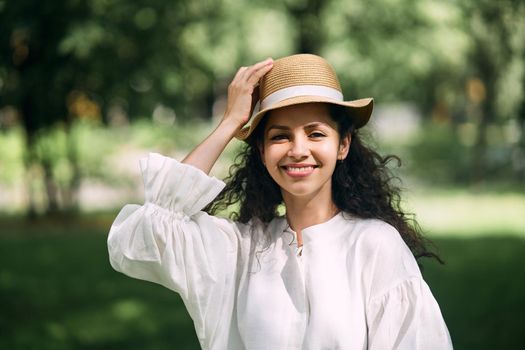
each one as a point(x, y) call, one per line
point(317, 231)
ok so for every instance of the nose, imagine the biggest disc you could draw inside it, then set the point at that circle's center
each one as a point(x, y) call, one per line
point(299, 148)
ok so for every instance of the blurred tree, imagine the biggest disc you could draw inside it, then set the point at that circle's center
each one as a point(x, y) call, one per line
point(306, 17)
point(37, 78)
point(109, 61)
point(495, 29)
point(74, 59)
point(397, 50)
point(457, 61)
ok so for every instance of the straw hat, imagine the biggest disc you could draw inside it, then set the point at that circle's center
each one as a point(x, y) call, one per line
point(303, 78)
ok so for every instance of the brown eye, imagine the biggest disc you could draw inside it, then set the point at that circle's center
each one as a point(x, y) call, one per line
point(279, 137)
point(316, 134)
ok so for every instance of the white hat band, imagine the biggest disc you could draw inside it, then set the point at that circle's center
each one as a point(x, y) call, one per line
point(300, 90)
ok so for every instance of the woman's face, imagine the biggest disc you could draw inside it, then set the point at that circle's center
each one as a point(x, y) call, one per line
point(301, 147)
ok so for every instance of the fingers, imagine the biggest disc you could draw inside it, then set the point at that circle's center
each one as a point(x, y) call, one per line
point(239, 72)
point(252, 74)
point(243, 92)
point(257, 71)
point(250, 69)
point(258, 66)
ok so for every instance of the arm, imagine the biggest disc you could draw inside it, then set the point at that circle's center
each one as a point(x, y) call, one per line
point(242, 97)
point(170, 241)
point(175, 194)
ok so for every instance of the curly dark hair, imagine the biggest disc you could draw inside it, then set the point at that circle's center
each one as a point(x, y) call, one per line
point(362, 185)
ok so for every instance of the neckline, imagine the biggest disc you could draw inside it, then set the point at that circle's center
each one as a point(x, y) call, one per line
point(340, 216)
point(310, 232)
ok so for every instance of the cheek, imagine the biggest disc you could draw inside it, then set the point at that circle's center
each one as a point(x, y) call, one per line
point(272, 155)
point(328, 153)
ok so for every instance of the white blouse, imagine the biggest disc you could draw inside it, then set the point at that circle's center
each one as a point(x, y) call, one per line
point(356, 285)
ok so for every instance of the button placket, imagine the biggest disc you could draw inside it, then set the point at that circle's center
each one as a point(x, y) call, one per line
point(293, 244)
point(301, 265)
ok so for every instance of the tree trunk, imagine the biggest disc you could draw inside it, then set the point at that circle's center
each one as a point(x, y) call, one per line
point(51, 187)
point(71, 191)
point(485, 99)
point(29, 162)
point(480, 147)
point(519, 152)
point(306, 16)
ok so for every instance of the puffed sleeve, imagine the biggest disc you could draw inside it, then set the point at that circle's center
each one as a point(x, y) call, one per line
point(401, 311)
point(407, 317)
point(170, 241)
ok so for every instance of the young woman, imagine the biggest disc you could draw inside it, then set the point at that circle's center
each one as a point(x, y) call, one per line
point(336, 271)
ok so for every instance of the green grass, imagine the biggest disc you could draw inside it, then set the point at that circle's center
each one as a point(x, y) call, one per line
point(481, 290)
point(449, 212)
point(58, 291)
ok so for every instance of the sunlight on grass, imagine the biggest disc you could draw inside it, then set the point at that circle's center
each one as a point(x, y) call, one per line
point(462, 213)
point(128, 310)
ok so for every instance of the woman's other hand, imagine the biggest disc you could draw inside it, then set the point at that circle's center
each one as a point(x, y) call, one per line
point(243, 93)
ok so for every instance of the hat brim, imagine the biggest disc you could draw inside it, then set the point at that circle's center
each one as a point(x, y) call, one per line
point(358, 110)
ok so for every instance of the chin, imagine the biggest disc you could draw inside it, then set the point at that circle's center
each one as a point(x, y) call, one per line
point(298, 190)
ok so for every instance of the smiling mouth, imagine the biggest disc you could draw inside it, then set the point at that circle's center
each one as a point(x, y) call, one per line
point(298, 171)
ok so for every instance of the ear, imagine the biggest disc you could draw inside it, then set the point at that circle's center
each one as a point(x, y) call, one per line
point(344, 147)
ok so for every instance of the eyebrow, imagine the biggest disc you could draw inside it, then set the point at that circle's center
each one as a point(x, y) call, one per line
point(307, 126)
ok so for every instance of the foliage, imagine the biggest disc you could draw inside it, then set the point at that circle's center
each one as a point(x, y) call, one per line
point(11, 151)
point(438, 156)
point(106, 156)
point(459, 62)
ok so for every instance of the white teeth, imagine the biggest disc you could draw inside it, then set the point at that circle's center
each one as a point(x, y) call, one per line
point(299, 169)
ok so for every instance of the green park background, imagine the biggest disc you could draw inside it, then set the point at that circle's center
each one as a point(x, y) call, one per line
point(87, 88)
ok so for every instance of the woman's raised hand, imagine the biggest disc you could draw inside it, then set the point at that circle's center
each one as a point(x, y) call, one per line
point(242, 97)
point(242, 92)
